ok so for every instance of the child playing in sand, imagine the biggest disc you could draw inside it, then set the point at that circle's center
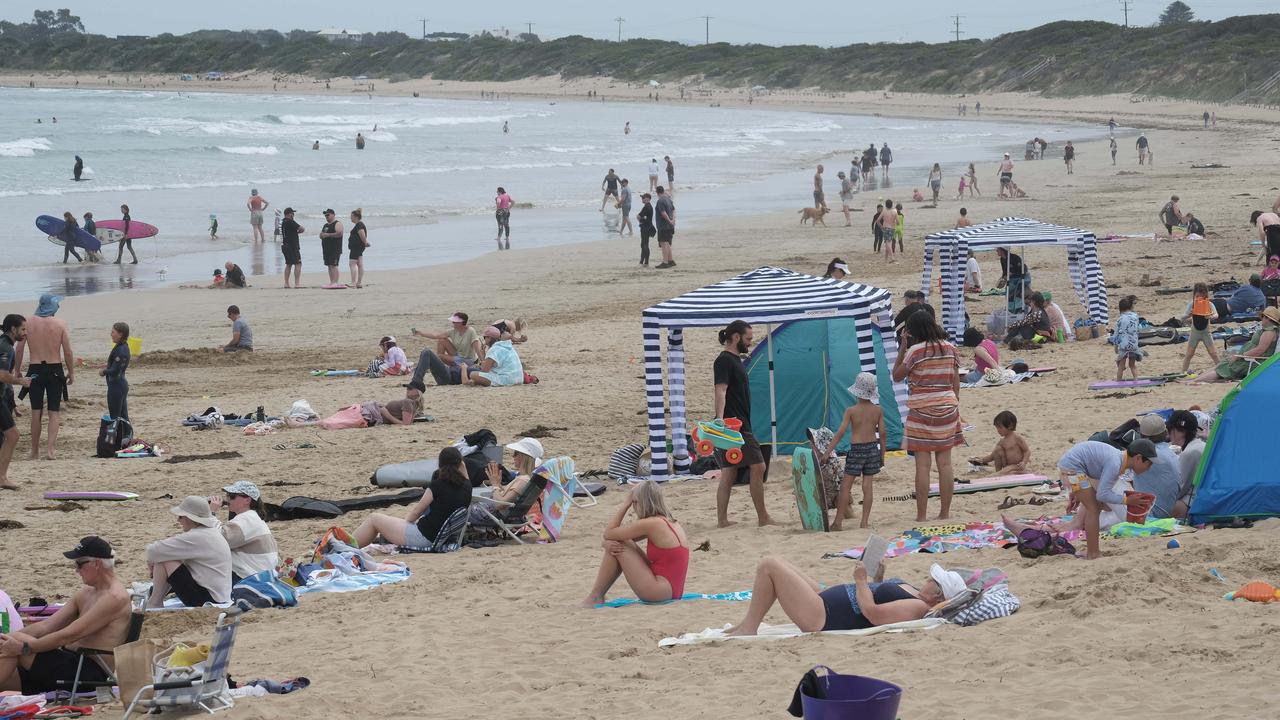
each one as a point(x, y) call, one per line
point(865, 423)
point(1125, 338)
point(1201, 311)
point(960, 192)
point(1011, 453)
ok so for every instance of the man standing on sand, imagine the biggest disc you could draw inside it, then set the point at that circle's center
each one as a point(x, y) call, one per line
point(888, 224)
point(1005, 173)
point(819, 197)
point(664, 212)
point(653, 174)
point(977, 107)
point(291, 245)
point(671, 174)
point(1069, 157)
point(1142, 146)
point(14, 330)
point(256, 205)
point(610, 187)
point(733, 400)
point(47, 347)
point(1206, 119)
point(846, 197)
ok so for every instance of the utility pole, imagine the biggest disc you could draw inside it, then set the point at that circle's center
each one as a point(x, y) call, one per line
point(620, 20)
point(957, 19)
point(424, 27)
point(530, 25)
point(708, 20)
point(1125, 4)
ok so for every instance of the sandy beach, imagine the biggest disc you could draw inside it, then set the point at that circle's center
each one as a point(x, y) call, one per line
point(1142, 631)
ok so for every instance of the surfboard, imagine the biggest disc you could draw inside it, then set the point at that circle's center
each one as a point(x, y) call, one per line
point(137, 229)
point(1121, 384)
point(52, 226)
point(107, 236)
point(90, 495)
point(336, 373)
point(804, 480)
point(417, 473)
point(994, 483)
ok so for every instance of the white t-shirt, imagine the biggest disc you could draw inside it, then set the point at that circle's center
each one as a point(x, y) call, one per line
point(395, 357)
point(654, 169)
point(972, 273)
point(253, 548)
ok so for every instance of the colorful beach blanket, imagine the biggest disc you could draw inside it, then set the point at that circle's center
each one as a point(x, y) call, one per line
point(623, 602)
point(336, 582)
point(789, 630)
point(1166, 526)
point(942, 538)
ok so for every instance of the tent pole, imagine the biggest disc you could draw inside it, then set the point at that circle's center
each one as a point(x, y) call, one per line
point(773, 407)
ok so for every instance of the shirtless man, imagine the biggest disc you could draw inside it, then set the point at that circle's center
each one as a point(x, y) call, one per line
point(846, 197)
point(888, 220)
point(35, 658)
point(14, 330)
point(1005, 173)
point(1268, 231)
point(256, 205)
point(47, 347)
point(610, 187)
point(1011, 453)
point(819, 197)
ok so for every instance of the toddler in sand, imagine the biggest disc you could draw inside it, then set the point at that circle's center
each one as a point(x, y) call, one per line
point(1125, 338)
point(1011, 453)
point(865, 423)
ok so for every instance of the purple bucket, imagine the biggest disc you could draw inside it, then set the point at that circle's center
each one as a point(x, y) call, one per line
point(852, 697)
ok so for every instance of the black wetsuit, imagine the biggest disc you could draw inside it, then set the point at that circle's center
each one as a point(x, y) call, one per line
point(647, 231)
point(117, 386)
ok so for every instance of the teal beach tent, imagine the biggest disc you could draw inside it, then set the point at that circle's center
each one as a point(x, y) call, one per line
point(1236, 477)
point(814, 363)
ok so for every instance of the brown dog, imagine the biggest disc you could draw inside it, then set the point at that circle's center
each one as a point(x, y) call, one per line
point(814, 214)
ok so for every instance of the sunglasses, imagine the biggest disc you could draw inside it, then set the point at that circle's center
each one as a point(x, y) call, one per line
point(82, 562)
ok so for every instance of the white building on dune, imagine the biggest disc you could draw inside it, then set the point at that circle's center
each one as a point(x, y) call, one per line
point(336, 35)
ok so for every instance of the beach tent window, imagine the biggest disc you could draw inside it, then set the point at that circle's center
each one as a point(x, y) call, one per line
point(949, 249)
point(764, 296)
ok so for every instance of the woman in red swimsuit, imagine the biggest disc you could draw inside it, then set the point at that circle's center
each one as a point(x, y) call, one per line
point(655, 574)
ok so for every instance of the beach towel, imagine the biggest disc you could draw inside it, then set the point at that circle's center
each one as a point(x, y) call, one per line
point(1151, 528)
point(831, 469)
point(941, 539)
point(789, 630)
point(996, 602)
point(335, 582)
point(557, 498)
point(1006, 379)
point(348, 417)
point(623, 602)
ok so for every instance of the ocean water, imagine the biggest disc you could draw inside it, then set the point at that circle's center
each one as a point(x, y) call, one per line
point(425, 179)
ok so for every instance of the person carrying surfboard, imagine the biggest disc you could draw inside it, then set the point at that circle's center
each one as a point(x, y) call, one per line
point(126, 241)
point(68, 237)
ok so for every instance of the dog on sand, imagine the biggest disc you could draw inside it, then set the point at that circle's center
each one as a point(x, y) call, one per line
point(814, 214)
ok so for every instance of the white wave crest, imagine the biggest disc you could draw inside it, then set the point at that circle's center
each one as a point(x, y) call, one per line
point(250, 150)
point(24, 147)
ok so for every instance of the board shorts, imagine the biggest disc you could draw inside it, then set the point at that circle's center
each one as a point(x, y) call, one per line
point(666, 235)
point(671, 177)
point(819, 198)
point(863, 459)
point(355, 249)
point(1273, 239)
point(1200, 336)
point(611, 192)
point(255, 218)
point(50, 666)
point(47, 379)
point(1006, 178)
point(936, 185)
point(751, 453)
point(292, 254)
point(332, 248)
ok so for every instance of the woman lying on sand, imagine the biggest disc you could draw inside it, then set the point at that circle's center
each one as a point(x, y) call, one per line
point(396, 412)
point(657, 573)
point(853, 606)
point(449, 490)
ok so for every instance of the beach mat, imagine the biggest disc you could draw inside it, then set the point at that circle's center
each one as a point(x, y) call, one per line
point(938, 539)
point(789, 630)
point(90, 495)
point(623, 602)
point(337, 373)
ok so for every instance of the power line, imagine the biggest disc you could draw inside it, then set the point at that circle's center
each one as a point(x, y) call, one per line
point(1125, 4)
point(707, 38)
point(957, 19)
point(620, 20)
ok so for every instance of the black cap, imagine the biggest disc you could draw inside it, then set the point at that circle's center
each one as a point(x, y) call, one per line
point(288, 211)
point(90, 547)
point(1143, 447)
point(330, 212)
point(416, 385)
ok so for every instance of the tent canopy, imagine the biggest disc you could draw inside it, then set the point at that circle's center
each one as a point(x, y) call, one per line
point(1231, 480)
point(768, 295)
point(950, 247)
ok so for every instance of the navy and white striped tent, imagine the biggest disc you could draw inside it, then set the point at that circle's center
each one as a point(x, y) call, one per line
point(766, 295)
point(951, 248)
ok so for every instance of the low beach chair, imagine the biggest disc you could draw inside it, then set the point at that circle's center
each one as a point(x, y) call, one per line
point(99, 657)
point(450, 535)
point(514, 515)
point(206, 690)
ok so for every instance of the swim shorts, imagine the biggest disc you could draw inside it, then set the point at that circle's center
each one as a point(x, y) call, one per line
point(355, 249)
point(819, 198)
point(666, 235)
point(1006, 178)
point(1204, 336)
point(332, 249)
point(292, 254)
point(255, 218)
point(863, 459)
point(50, 666)
point(47, 379)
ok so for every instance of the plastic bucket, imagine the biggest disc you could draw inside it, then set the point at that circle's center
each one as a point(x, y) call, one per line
point(852, 697)
point(1138, 513)
point(135, 345)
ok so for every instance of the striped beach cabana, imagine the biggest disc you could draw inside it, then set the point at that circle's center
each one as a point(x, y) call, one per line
point(950, 248)
point(766, 295)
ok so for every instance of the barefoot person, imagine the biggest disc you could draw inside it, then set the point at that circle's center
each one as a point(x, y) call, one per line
point(1094, 470)
point(126, 243)
point(819, 196)
point(291, 246)
point(502, 203)
point(1011, 453)
point(38, 657)
point(195, 564)
point(47, 349)
point(932, 426)
point(733, 400)
point(331, 244)
point(655, 574)
point(450, 489)
point(257, 204)
point(858, 605)
point(865, 422)
point(14, 331)
point(357, 243)
point(664, 211)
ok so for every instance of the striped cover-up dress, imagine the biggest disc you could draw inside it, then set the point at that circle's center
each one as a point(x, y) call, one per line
point(933, 410)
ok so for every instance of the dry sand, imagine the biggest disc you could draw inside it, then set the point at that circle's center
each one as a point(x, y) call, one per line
point(1141, 632)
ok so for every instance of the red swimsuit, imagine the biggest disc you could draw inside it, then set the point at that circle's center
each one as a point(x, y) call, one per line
point(669, 563)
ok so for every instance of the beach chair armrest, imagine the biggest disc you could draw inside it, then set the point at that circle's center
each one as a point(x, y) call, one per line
point(177, 684)
point(503, 503)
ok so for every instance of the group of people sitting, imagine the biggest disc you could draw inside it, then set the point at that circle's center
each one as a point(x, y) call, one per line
point(464, 357)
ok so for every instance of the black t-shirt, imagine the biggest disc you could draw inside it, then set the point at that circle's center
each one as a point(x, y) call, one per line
point(729, 371)
point(900, 320)
point(446, 496)
point(235, 276)
point(611, 183)
point(645, 217)
point(1012, 266)
point(289, 229)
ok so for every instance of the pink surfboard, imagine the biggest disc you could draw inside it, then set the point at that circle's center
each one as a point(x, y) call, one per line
point(992, 483)
point(136, 229)
point(1120, 384)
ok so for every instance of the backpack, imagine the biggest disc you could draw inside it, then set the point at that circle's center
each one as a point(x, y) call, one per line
point(114, 434)
point(1033, 543)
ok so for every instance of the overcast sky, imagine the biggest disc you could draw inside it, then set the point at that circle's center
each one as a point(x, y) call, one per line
point(774, 23)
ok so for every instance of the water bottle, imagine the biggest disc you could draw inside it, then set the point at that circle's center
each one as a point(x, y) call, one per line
point(4, 622)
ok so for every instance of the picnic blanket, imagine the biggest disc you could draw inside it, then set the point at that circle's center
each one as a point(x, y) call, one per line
point(623, 602)
point(941, 539)
point(789, 630)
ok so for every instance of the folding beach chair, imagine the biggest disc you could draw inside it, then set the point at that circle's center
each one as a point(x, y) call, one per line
point(450, 535)
point(514, 515)
point(561, 472)
point(206, 690)
point(98, 656)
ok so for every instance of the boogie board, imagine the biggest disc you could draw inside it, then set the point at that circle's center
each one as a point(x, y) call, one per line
point(136, 229)
point(52, 226)
point(992, 483)
point(90, 495)
point(808, 490)
point(1122, 384)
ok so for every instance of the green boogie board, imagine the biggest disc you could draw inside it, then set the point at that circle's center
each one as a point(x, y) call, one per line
point(808, 489)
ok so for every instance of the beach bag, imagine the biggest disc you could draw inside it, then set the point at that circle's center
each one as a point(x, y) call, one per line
point(1033, 543)
point(114, 434)
point(846, 697)
point(346, 418)
point(263, 590)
